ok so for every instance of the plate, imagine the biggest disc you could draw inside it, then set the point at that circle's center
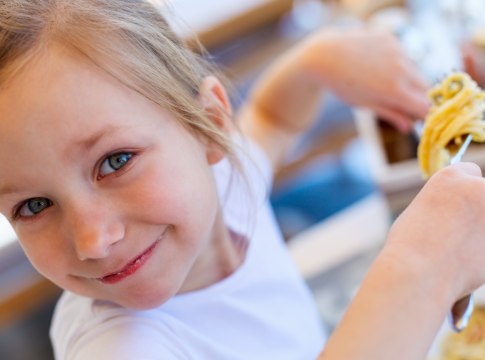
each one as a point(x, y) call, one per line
point(445, 330)
point(435, 350)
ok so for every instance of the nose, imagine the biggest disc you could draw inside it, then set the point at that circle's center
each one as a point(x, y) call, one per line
point(93, 230)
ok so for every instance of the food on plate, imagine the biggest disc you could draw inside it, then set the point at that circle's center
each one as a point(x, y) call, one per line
point(470, 343)
point(457, 107)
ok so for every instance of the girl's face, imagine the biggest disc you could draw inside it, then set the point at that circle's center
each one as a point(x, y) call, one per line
point(109, 196)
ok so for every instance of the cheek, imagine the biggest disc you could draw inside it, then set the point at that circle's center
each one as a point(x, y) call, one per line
point(48, 256)
point(179, 194)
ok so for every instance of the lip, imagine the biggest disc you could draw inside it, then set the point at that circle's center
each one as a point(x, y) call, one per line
point(132, 267)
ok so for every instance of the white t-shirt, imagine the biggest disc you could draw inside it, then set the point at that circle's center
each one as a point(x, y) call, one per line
point(262, 311)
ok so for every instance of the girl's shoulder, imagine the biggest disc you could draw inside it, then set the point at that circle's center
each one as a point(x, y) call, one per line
point(83, 328)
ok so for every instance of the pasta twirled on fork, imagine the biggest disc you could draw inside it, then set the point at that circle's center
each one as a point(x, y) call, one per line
point(457, 107)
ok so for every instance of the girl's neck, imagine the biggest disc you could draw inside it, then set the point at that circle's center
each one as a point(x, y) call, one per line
point(225, 255)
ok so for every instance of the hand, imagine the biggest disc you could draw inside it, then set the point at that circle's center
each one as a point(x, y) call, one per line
point(369, 68)
point(445, 226)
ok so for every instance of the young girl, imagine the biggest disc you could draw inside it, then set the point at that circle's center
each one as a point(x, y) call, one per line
point(128, 186)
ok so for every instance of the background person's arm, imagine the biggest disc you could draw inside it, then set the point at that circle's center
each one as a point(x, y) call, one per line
point(363, 67)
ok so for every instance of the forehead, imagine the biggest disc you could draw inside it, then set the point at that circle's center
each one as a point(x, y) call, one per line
point(57, 81)
point(58, 90)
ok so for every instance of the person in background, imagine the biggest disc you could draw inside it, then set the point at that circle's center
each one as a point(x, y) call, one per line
point(130, 186)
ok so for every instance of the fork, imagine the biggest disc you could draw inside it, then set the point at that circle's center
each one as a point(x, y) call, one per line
point(462, 310)
point(461, 151)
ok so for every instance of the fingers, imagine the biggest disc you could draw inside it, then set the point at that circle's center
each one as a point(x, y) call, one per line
point(463, 178)
point(401, 121)
point(404, 107)
point(415, 91)
point(415, 102)
point(407, 98)
point(409, 94)
point(468, 168)
point(412, 91)
point(414, 75)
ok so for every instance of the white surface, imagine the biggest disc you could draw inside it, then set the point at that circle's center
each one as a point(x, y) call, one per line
point(190, 16)
point(435, 351)
point(347, 233)
point(427, 38)
point(7, 235)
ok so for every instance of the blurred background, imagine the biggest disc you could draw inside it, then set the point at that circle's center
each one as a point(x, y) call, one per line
point(347, 178)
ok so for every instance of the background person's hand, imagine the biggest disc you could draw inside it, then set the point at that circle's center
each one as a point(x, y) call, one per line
point(369, 68)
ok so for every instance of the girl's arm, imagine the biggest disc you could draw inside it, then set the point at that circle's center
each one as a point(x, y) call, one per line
point(395, 315)
point(363, 67)
point(434, 256)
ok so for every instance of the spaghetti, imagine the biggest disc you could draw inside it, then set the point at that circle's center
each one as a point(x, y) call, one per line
point(456, 111)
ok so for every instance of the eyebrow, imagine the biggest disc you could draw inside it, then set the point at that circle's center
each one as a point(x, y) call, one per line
point(82, 145)
point(8, 189)
point(93, 139)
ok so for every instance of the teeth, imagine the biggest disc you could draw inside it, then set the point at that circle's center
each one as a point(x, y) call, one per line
point(118, 273)
point(137, 261)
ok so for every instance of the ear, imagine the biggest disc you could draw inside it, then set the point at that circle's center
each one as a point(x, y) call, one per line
point(215, 102)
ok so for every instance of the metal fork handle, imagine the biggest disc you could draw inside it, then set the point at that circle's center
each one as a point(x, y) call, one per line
point(462, 310)
point(461, 150)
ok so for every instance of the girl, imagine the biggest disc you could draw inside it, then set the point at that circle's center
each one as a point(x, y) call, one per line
point(128, 186)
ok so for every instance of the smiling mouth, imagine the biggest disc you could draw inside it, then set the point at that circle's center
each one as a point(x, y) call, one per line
point(132, 267)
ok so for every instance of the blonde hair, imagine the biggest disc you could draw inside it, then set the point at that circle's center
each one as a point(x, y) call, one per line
point(129, 39)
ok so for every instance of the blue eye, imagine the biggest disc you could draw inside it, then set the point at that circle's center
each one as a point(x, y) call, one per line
point(114, 163)
point(33, 207)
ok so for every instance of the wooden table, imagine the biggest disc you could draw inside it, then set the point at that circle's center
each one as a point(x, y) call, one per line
point(22, 288)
